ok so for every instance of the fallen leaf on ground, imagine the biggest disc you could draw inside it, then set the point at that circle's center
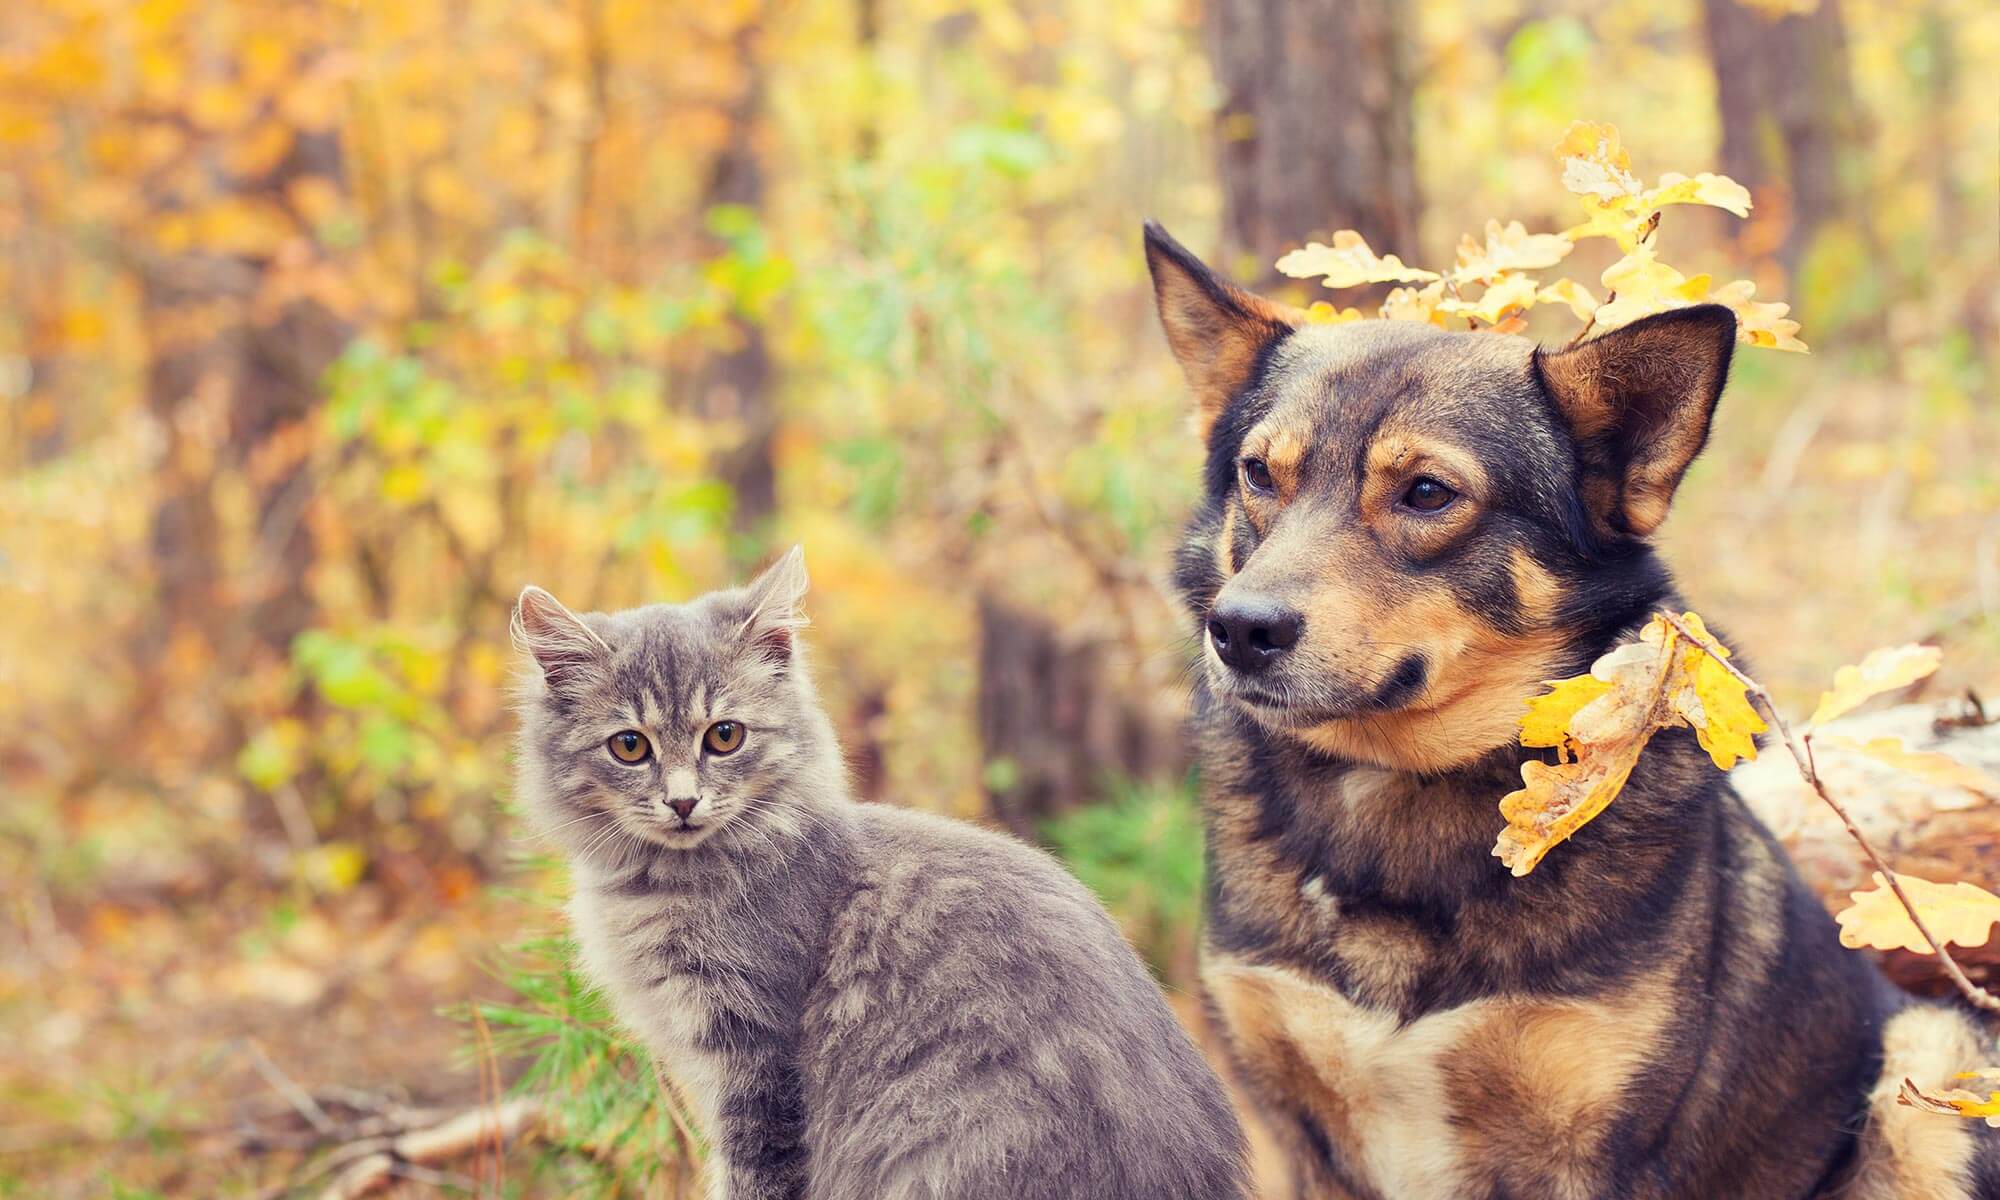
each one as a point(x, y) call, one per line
point(1928, 765)
point(1955, 913)
point(1881, 671)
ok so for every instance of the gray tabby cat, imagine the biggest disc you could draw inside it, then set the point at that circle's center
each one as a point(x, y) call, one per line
point(860, 1002)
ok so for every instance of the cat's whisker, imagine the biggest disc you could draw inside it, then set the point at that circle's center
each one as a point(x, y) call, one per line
point(594, 814)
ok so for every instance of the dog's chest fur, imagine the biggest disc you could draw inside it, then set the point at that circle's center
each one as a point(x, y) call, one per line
point(1431, 1107)
point(1417, 1022)
point(1344, 1005)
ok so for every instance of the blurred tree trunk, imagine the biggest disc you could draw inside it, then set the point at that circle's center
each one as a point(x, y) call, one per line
point(1785, 99)
point(737, 384)
point(1057, 718)
point(239, 343)
point(1315, 127)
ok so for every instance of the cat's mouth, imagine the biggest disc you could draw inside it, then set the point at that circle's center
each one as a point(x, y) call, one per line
point(683, 834)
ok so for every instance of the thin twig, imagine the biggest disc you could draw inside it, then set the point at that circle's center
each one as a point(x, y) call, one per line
point(296, 1096)
point(1801, 752)
point(1589, 323)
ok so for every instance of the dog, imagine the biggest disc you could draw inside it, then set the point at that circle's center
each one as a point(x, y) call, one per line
point(1403, 532)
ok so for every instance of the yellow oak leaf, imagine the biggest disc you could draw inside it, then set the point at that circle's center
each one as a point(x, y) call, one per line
point(1641, 285)
point(1716, 191)
point(1546, 722)
point(1882, 670)
point(1605, 718)
point(1508, 293)
point(1955, 913)
point(1556, 801)
point(1616, 205)
point(1414, 304)
point(1508, 247)
point(1572, 293)
point(1759, 323)
point(1715, 702)
point(1319, 312)
point(1620, 221)
point(1349, 263)
point(1925, 764)
point(1601, 722)
point(1594, 162)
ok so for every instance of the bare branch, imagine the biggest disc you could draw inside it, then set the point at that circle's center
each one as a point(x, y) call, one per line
point(296, 1096)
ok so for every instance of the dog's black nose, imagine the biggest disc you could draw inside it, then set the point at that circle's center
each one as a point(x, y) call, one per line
point(1250, 634)
point(684, 806)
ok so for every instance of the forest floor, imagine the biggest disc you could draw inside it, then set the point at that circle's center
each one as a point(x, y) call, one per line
point(190, 1050)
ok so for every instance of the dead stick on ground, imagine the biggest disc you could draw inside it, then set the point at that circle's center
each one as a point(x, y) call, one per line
point(449, 1139)
point(296, 1096)
point(1809, 771)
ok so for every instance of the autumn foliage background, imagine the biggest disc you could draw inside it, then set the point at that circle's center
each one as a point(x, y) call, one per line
point(324, 326)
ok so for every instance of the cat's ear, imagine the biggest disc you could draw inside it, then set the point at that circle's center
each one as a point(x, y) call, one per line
point(562, 645)
point(775, 617)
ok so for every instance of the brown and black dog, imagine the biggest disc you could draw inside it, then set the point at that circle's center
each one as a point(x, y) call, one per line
point(1403, 532)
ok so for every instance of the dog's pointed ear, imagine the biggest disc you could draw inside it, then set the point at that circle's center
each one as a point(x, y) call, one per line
point(561, 644)
point(1216, 329)
point(1638, 401)
point(775, 616)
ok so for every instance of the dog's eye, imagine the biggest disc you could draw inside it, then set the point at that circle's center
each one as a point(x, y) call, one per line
point(630, 746)
point(1258, 474)
point(1427, 495)
point(723, 737)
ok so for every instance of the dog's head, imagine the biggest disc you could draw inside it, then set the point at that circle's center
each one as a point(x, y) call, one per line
point(1405, 530)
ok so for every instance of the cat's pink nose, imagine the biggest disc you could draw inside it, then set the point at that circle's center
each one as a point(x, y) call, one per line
point(684, 806)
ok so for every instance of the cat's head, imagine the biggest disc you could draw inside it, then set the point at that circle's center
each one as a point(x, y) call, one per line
point(673, 724)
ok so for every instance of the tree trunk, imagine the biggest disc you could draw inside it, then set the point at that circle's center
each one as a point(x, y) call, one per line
point(737, 385)
point(232, 380)
point(1785, 99)
point(1315, 126)
point(1057, 719)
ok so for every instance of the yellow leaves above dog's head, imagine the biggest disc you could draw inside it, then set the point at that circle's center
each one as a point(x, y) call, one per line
point(1406, 529)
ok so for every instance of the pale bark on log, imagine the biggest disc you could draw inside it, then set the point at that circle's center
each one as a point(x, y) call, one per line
point(1923, 828)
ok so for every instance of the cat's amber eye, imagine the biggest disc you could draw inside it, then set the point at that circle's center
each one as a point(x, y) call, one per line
point(630, 746)
point(723, 737)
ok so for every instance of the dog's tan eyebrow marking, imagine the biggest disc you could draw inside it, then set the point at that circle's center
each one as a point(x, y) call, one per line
point(1404, 452)
point(1284, 453)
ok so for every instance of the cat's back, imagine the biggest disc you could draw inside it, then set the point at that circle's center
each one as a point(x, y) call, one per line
point(983, 1030)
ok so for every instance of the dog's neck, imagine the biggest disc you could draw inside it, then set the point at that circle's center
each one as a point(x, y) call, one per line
point(1404, 860)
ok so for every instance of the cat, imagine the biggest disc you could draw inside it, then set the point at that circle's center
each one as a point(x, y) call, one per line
point(859, 1002)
